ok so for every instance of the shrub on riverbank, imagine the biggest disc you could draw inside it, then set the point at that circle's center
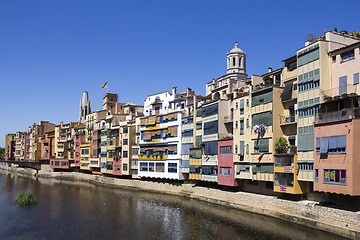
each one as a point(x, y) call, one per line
point(26, 198)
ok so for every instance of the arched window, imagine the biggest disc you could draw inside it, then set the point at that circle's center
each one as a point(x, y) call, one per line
point(236, 149)
point(237, 105)
point(233, 61)
point(236, 125)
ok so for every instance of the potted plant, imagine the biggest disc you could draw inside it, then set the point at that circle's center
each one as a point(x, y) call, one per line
point(353, 94)
point(344, 94)
point(281, 145)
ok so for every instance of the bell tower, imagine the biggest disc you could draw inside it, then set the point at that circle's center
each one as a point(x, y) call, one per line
point(236, 60)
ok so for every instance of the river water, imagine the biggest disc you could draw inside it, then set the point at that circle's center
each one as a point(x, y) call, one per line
point(69, 210)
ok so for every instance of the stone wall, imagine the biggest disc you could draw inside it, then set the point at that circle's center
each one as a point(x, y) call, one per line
point(308, 213)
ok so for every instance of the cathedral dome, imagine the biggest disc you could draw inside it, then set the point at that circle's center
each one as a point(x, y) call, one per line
point(236, 49)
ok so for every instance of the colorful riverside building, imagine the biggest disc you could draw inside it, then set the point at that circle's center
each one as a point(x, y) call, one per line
point(313, 80)
point(47, 142)
point(10, 147)
point(285, 167)
point(336, 165)
point(64, 146)
point(19, 146)
point(160, 139)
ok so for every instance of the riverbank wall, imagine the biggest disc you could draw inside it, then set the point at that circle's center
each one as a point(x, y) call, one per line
point(308, 213)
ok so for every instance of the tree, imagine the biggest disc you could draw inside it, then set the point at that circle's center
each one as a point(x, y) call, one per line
point(311, 37)
point(335, 30)
point(2, 153)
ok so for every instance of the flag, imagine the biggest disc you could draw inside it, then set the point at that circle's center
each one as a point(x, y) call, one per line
point(105, 85)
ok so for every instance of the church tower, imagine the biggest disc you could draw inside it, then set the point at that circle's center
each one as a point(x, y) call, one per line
point(236, 60)
point(85, 107)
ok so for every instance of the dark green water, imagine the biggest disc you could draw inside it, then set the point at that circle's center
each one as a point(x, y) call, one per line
point(84, 211)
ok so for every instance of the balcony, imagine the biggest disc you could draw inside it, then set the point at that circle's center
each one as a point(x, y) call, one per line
point(287, 120)
point(152, 157)
point(287, 150)
point(342, 114)
point(224, 136)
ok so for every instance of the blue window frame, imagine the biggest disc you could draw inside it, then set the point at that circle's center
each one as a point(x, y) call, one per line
point(332, 144)
point(172, 167)
point(335, 176)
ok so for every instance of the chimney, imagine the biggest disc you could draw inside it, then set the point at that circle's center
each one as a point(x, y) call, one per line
point(307, 43)
point(270, 69)
point(174, 90)
point(188, 91)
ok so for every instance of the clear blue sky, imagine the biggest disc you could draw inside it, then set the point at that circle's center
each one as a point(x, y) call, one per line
point(52, 51)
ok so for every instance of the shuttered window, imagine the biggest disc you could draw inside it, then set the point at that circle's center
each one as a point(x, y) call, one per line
point(210, 127)
point(261, 145)
point(342, 85)
point(262, 118)
point(261, 99)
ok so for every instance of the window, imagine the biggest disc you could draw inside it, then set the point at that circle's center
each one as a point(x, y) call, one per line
point(262, 118)
point(342, 85)
point(241, 151)
point(151, 166)
point(198, 125)
point(143, 166)
point(172, 167)
point(210, 127)
point(332, 144)
point(247, 102)
point(261, 145)
point(125, 142)
point(247, 123)
point(247, 148)
point(308, 55)
point(346, 56)
point(241, 126)
point(262, 99)
point(77, 154)
point(85, 151)
point(63, 163)
point(241, 106)
point(316, 175)
point(295, 86)
point(160, 167)
point(125, 154)
point(334, 59)
point(237, 106)
point(225, 150)
point(135, 151)
point(77, 144)
point(95, 142)
point(335, 176)
point(210, 148)
point(236, 125)
point(117, 168)
point(356, 78)
point(236, 149)
point(95, 152)
point(210, 110)
point(56, 163)
point(225, 171)
point(125, 130)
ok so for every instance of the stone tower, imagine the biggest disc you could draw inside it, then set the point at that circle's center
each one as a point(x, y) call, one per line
point(236, 60)
point(85, 107)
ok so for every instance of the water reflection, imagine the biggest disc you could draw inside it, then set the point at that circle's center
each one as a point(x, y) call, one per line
point(84, 211)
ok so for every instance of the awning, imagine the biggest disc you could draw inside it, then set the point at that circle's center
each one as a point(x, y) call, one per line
point(287, 92)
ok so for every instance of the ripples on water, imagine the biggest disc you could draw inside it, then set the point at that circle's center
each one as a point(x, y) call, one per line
point(84, 211)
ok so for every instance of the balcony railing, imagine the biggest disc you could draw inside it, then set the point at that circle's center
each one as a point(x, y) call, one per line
point(287, 120)
point(223, 136)
point(287, 150)
point(337, 115)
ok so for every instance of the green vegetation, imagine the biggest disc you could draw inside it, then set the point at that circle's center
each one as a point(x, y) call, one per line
point(2, 153)
point(26, 198)
point(281, 144)
point(311, 37)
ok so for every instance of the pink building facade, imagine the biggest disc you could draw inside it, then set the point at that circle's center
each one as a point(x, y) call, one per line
point(226, 174)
